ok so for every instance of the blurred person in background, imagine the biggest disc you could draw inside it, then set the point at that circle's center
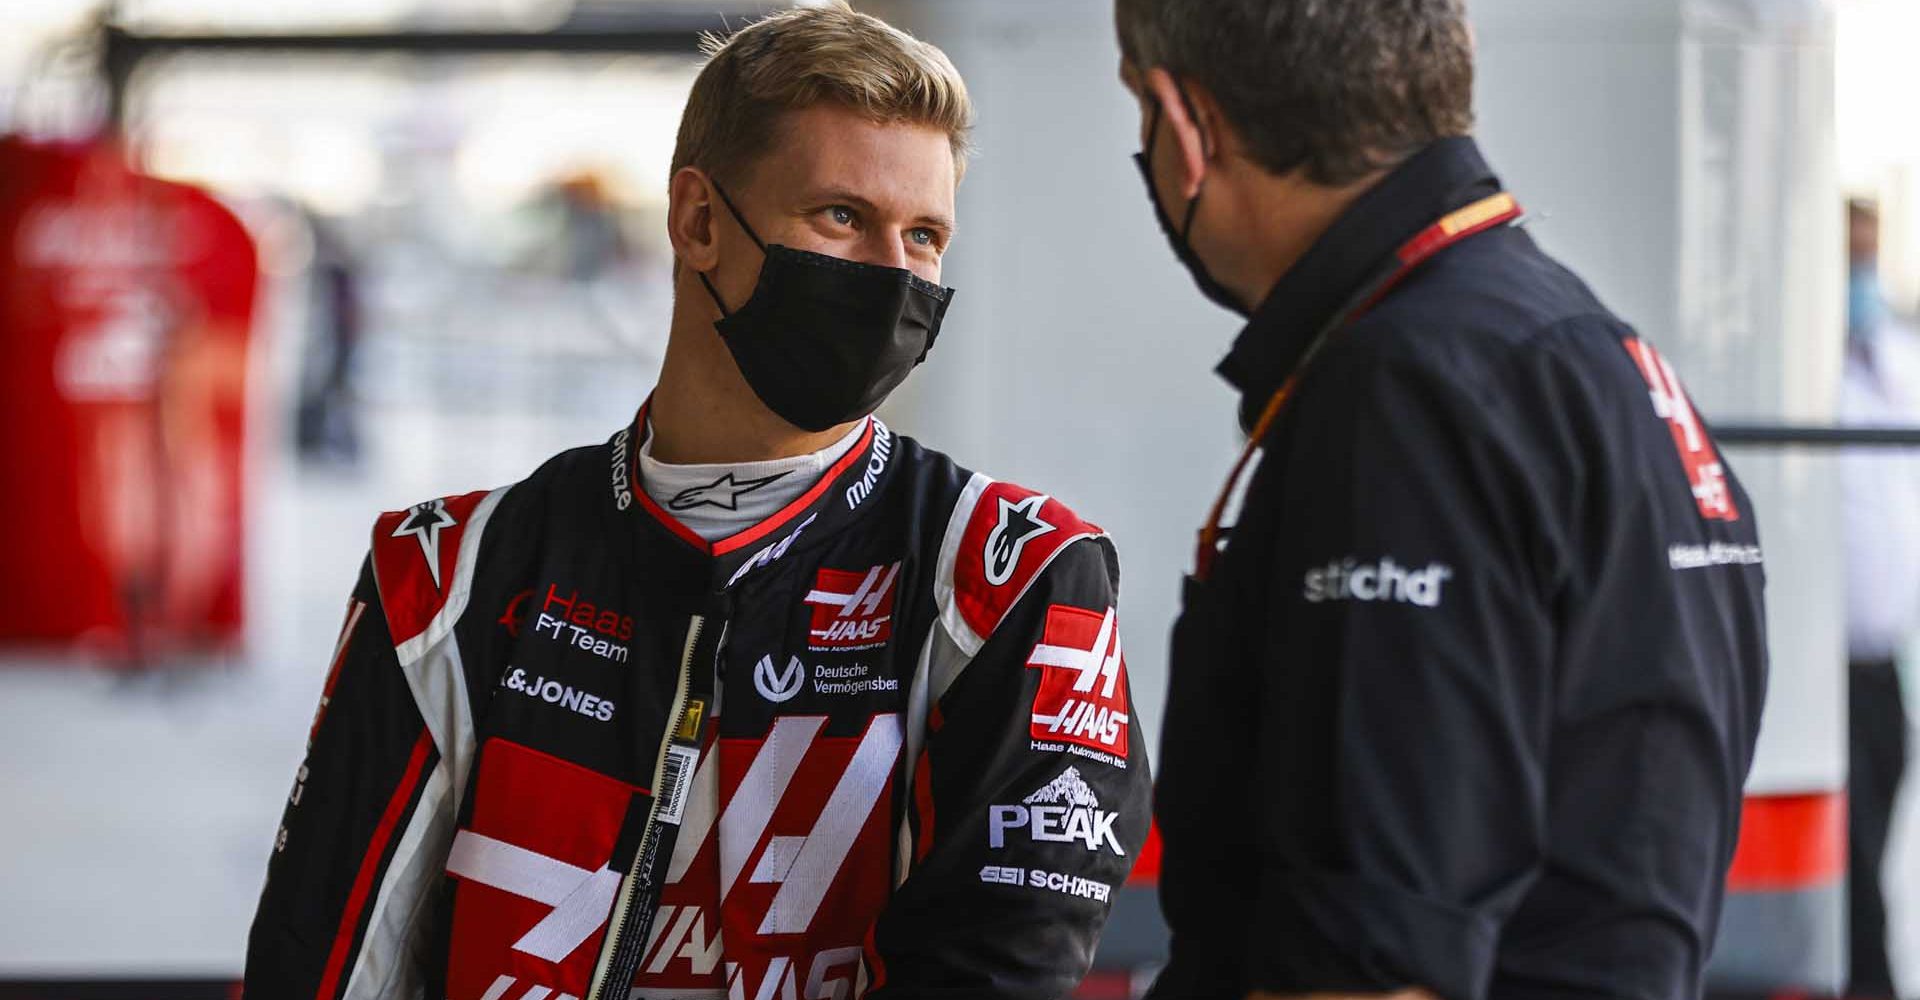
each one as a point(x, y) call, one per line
point(1464, 703)
point(325, 425)
point(1880, 386)
point(756, 698)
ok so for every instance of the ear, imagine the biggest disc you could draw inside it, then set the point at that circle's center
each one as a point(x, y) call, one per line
point(1190, 120)
point(690, 219)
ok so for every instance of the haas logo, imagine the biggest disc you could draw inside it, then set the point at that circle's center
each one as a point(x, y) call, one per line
point(1083, 681)
point(782, 685)
point(1019, 524)
point(1705, 472)
point(852, 609)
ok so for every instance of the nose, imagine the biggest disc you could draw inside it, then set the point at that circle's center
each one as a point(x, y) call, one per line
point(886, 247)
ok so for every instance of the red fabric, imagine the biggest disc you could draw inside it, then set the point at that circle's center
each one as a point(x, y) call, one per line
point(519, 795)
point(1790, 842)
point(983, 602)
point(410, 592)
point(1084, 704)
point(1697, 453)
point(1146, 869)
point(125, 305)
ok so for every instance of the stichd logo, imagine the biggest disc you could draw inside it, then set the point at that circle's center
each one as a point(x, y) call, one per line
point(776, 685)
point(1385, 581)
point(1066, 811)
point(852, 609)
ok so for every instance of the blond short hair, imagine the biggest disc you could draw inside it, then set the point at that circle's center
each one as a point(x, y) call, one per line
point(799, 58)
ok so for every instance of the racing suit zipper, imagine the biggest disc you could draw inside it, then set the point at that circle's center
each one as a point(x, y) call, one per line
point(620, 953)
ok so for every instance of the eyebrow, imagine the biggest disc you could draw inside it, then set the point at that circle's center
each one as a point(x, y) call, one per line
point(944, 223)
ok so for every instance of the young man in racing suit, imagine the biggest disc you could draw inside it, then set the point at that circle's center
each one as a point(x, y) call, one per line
point(756, 700)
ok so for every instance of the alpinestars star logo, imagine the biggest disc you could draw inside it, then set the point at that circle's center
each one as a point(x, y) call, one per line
point(425, 522)
point(1064, 811)
point(724, 493)
point(1020, 523)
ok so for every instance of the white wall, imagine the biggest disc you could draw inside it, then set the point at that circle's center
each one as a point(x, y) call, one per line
point(1077, 358)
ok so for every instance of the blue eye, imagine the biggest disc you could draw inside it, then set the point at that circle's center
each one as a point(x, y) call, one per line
point(921, 237)
point(842, 215)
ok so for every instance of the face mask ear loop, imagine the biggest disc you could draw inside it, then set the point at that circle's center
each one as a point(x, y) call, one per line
point(1193, 204)
point(737, 217)
point(755, 237)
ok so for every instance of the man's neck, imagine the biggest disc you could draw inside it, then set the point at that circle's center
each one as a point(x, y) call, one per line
point(1285, 217)
point(704, 413)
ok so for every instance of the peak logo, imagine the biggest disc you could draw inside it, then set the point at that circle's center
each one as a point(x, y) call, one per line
point(852, 609)
point(1385, 582)
point(1083, 681)
point(1065, 811)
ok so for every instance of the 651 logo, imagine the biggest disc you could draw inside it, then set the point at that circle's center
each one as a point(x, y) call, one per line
point(852, 609)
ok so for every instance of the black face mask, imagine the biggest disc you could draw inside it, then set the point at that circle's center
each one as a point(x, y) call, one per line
point(1180, 238)
point(822, 341)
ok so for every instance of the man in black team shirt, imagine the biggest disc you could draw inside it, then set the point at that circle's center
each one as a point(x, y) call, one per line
point(1464, 702)
point(756, 699)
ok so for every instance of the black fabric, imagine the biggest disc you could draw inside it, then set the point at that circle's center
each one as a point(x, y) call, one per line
point(356, 759)
point(1470, 697)
point(577, 584)
point(1877, 760)
point(823, 341)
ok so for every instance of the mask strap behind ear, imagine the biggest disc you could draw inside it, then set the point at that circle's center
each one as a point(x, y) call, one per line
point(1193, 203)
point(755, 237)
point(737, 217)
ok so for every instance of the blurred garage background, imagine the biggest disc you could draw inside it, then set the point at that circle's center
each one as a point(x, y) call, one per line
point(269, 269)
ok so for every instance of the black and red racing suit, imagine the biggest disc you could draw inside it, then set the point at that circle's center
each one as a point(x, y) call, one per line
point(878, 745)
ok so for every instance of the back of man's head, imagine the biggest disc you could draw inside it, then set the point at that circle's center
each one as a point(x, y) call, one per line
point(795, 59)
point(1336, 88)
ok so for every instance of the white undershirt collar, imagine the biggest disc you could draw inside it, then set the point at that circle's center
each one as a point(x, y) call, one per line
point(720, 500)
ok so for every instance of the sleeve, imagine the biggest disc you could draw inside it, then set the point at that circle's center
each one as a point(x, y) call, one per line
point(1403, 687)
point(358, 795)
point(1031, 801)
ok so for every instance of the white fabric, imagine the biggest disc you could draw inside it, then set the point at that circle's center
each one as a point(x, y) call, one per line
point(1881, 387)
point(724, 499)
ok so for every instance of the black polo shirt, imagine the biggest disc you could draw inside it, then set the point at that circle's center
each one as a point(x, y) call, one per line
point(1471, 694)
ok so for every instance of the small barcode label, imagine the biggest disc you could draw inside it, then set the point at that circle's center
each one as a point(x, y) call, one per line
point(674, 779)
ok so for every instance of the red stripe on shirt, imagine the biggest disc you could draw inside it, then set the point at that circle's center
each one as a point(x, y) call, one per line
point(369, 866)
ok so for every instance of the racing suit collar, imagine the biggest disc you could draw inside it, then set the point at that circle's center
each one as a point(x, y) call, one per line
point(843, 493)
point(1445, 176)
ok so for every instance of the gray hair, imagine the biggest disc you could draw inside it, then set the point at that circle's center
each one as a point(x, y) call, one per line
point(1339, 88)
